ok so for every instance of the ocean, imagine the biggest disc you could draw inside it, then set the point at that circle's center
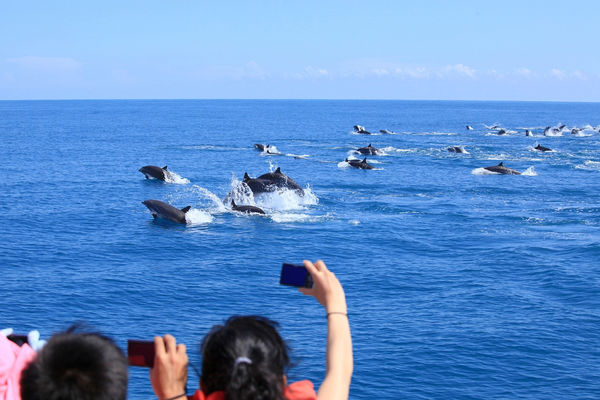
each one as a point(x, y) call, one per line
point(461, 283)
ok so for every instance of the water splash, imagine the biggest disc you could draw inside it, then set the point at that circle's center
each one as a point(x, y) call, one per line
point(196, 217)
point(173, 177)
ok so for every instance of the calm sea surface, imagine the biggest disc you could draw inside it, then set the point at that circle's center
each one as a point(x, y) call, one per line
point(460, 284)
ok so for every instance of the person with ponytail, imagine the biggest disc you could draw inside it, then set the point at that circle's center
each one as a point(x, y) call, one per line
point(246, 358)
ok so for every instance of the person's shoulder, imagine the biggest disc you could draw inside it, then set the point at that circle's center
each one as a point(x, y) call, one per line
point(301, 390)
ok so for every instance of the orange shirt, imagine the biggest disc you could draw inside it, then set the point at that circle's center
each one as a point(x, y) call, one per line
point(302, 390)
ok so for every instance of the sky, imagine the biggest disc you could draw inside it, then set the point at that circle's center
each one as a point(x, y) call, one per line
point(525, 50)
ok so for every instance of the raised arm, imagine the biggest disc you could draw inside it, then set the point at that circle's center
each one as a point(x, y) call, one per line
point(169, 374)
point(329, 292)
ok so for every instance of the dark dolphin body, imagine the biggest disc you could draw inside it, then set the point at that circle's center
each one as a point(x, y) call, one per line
point(541, 148)
point(264, 148)
point(361, 129)
point(370, 150)
point(272, 181)
point(501, 169)
point(456, 149)
point(502, 132)
point(528, 132)
point(166, 211)
point(152, 171)
point(469, 127)
point(360, 164)
point(246, 209)
point(575, 131)
point(386, 132)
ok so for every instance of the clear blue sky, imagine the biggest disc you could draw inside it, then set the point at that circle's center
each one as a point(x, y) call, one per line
point(471, 50)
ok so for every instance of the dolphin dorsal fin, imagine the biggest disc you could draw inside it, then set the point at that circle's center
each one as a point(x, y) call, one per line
point(369, 145)
point(246, 176)
point(165, 167)
point(233, 203)
point(364, 159)
point(186, 209)
point(501, 164)
point(278, 170)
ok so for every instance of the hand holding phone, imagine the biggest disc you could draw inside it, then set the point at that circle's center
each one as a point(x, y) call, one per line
point(295, 275)
point(140, 353)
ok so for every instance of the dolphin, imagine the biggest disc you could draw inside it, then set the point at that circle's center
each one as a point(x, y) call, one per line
point(457, 149)
point(546, 130)
point(541, 148)
point(370, 150)
point(152, 171)
point(166, 211)
point(360, 164)
point(501, 169)
point(528, 132)
point(266, 148)
point(246, 209)
point(469, 127)
point(575, 131)
point(502, 132)
point(386, 132)
point(361, 129)
point(281, 180)
point(272, 181)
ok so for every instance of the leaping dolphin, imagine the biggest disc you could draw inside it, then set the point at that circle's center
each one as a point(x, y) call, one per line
point(501, 169)
point(152, 171)
point(166, 211)
point(246, 209)
point(361, 129)
point(370, 150)
point(457, 149)
point(360, 164)
point(272, 181)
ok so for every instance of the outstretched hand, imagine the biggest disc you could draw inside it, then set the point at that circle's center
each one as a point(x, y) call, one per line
point(326, 288)
point(169, 374)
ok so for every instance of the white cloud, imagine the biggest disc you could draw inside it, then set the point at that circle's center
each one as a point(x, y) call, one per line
point(51, 64)
point(557, 73)
point(460, 69)
point(526, 72)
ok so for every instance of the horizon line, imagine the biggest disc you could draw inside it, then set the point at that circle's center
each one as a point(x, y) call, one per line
point(298, 99)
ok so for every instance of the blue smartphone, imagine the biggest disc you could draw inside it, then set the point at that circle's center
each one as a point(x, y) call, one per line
point(295, 275)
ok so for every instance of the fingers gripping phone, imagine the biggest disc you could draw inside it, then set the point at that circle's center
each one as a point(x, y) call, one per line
point(295, 275)
point(140, 353)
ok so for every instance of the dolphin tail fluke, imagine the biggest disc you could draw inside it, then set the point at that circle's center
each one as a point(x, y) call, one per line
point(165, 167)
point(186, 209)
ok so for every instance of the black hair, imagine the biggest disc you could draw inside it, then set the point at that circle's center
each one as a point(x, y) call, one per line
point(261, 354)
point(76, 366)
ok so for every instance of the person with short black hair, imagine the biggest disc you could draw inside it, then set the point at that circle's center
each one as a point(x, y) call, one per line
point(76, 366)
point(246, 358)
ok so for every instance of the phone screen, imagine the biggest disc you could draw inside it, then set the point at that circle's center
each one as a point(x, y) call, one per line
point(140, 353)
point(295, 275)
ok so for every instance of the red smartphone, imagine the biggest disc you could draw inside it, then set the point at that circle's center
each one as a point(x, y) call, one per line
point(140, 353)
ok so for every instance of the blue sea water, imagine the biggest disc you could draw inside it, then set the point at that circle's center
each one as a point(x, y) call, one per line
point(460, 284)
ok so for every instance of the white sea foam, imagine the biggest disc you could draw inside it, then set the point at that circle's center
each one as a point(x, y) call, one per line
point(173, 177)
point(354, 222)
point(198, 217)
point(483, 171)
point(529, 172)
point(303, 156)
point(216, 203)
point(589, 165)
